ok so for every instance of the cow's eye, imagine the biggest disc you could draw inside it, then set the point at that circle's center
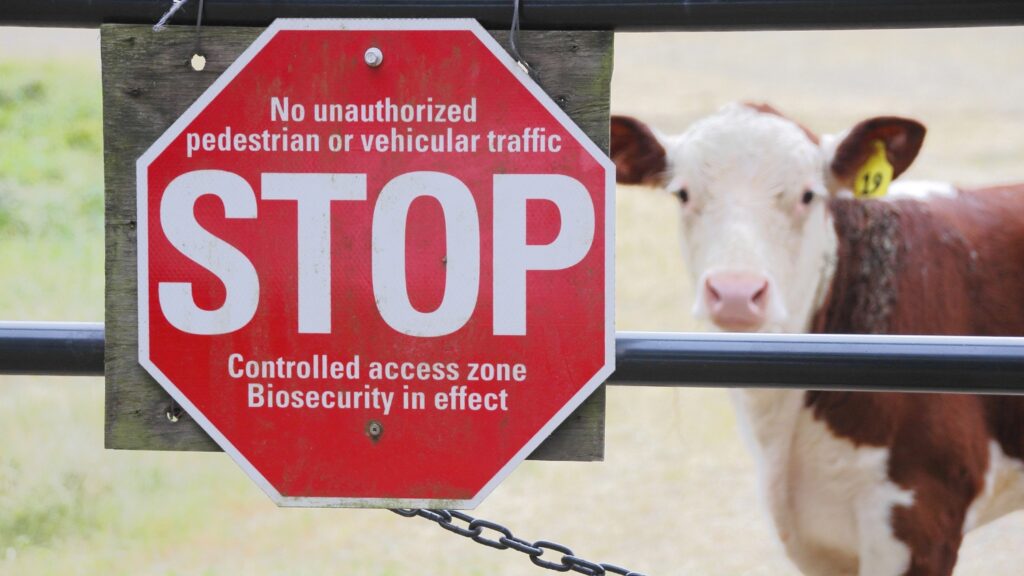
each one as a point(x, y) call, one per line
point(808, 197)
point(683, 195)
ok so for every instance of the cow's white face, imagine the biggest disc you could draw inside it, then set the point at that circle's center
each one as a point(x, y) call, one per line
point(757, 236)
point(754, 188)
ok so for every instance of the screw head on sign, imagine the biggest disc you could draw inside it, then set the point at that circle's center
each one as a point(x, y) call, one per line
point(173, 412)
point(374, 430)
point(373, 57)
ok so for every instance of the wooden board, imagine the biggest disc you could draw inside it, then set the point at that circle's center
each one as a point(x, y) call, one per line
point(148, 82)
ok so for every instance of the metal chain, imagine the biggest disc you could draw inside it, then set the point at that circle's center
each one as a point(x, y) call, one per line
point(501, 538)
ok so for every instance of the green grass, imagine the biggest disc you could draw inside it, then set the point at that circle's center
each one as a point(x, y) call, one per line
point(66, 505)
point(51, 192)
point(51, 261)
point(51, 176)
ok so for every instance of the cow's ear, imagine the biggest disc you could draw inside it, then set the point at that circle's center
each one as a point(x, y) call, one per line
point(901, 139)
point(638, 153)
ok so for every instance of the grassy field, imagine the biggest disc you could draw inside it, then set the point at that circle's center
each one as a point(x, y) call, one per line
point(676, 494)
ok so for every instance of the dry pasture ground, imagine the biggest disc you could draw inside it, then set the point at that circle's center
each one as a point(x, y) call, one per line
point(677, 492)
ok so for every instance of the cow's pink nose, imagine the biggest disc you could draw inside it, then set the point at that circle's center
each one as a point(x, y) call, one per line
point(737, 301)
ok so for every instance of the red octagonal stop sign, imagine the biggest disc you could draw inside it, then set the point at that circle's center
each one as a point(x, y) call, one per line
point(375, 263)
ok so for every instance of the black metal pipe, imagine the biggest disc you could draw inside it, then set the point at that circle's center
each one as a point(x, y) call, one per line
point(51, 348)
point(825, 362)
point(541, 14)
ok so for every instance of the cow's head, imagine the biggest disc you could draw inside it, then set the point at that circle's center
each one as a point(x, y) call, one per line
point(754, 188)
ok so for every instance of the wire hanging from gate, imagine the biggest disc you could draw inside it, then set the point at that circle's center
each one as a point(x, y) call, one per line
point(513, 41)
point(175, 6)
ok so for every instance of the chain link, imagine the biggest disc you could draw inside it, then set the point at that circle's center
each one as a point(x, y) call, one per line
point(501, 538)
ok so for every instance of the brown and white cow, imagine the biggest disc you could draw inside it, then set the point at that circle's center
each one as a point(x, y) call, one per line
point(873, 484)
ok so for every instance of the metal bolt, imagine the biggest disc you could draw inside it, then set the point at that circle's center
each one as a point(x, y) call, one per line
point(198, 62)
point(374, 429)
point(373, 57)
point(174, 412)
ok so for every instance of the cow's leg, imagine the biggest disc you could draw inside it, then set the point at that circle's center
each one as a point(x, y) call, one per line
point(941, 456)
point(932, 529)
point(935, 558)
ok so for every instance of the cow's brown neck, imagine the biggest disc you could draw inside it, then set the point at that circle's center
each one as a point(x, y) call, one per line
point(950, 266)
point(863, 291)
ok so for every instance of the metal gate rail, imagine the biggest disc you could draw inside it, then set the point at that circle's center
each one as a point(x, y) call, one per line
point(624, 15)
point(818, 361)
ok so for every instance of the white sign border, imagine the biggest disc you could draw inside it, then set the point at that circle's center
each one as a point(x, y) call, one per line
point(212, 92)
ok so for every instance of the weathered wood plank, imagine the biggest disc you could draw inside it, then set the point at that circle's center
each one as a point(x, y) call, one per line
point(148, 83)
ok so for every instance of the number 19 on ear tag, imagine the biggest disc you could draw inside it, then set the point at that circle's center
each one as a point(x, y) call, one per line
point(874, 176)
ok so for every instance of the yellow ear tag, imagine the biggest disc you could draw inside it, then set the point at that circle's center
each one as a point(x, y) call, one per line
point(875, 175)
